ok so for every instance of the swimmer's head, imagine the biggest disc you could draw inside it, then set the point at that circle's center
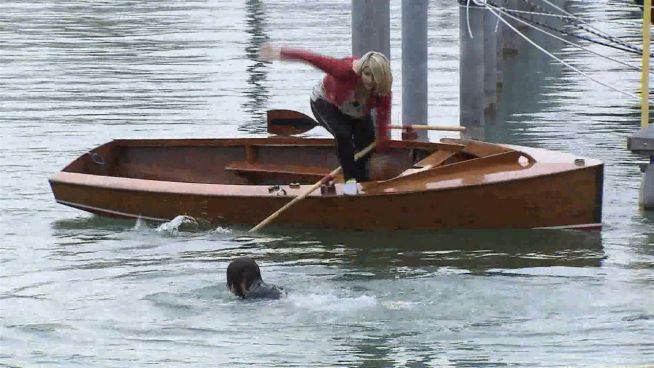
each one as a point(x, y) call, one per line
point(241, 273)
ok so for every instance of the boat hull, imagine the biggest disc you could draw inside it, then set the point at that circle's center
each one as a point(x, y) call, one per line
point(569, 198)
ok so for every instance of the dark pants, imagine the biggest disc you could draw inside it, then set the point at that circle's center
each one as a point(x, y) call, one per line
point(350, 134)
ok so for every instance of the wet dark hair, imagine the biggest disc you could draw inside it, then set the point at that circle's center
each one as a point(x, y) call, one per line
point(239, 270)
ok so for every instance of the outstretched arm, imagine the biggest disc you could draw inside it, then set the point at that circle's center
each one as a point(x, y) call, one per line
point(339, 68)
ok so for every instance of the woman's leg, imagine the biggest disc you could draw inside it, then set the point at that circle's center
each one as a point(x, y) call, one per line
point(364, 134)
point(340, 125)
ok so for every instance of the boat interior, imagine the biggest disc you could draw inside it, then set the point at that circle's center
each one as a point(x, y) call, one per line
point(281, 160)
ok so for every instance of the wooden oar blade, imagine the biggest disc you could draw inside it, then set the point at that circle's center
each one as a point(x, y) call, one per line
point(288, 122)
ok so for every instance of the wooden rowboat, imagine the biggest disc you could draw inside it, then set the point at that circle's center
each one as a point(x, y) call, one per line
point(427, 185)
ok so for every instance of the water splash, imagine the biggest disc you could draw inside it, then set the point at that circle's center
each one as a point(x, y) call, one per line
point(332, 302)
point(179, 223)
point(140, 224)
point(222, 230)
point(398, 305)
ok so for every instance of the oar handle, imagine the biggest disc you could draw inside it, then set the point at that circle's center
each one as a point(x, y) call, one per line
point(289, 122)
point(332, 174)
point(429, 127)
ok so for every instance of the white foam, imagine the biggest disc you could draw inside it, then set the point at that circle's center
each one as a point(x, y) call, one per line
point(173, 226)
point(140, 224)
point(398, 305)
point(221, 230)
point(332, 302)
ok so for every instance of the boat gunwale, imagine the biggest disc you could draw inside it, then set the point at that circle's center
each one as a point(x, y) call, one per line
point(262, 191)
point(542, 158)
point(274, 141)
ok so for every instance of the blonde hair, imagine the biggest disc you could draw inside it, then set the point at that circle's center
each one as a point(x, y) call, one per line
point(380, 69)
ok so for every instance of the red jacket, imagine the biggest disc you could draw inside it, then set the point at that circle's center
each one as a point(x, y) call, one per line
point(341, 81)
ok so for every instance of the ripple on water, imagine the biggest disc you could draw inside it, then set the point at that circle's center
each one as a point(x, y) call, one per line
point(77, 74)
point(332, 302)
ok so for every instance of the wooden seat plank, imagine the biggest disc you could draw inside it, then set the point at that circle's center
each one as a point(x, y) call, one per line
point(244, 167)
point(435, 159)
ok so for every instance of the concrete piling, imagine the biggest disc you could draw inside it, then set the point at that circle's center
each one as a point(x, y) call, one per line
point(490, 63)
point(471, 69)
point(371, 27)
point(512, 41)
point(498, 27)
point(414, 66)
point(642, 142)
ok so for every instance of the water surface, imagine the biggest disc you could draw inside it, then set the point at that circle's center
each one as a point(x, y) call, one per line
point(78, 290)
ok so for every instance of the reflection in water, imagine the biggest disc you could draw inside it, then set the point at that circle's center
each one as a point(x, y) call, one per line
point(376, 251)
point(92, 222)
point(79, 73)
point(474, 250)
point(538, 89)
point(376, 350)
point(417, 252)
point(257, 94)
point(524, 85)
point(94, 67)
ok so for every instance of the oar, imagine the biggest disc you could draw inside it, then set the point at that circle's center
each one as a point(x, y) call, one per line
point(429, 127)
point(289, 122)
point(332, 174)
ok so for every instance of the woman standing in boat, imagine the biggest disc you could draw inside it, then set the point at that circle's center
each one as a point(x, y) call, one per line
point(352, 99)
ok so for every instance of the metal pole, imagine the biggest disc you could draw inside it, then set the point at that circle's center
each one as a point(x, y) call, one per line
point(414, 66)
point(471, 69)
point(371, 27)
point(644, 78)
point(646, 197)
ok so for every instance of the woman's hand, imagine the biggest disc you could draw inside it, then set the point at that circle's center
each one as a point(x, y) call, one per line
point(268, 52)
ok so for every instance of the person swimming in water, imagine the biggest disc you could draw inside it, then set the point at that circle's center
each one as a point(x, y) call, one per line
point(244, 280)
